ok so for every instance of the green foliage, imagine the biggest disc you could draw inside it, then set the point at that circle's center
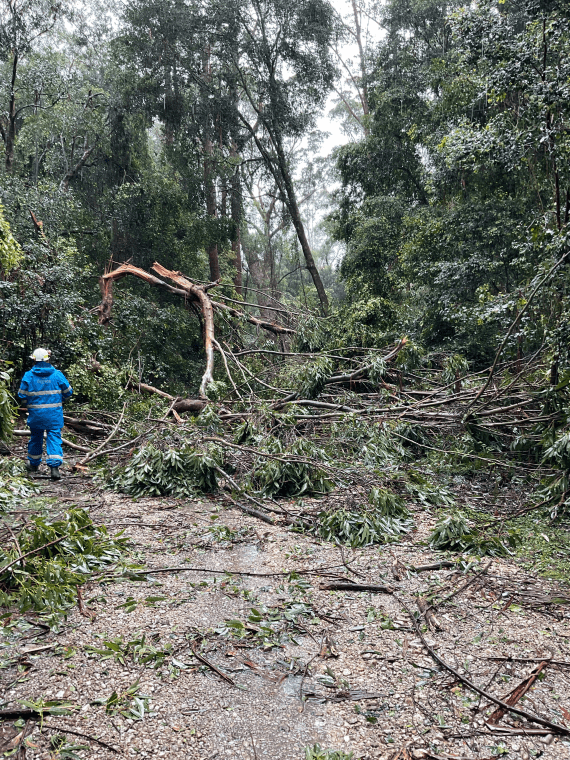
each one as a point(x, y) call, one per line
point(7, 405)
point(15, 487)
point(313, 377)
point(453, 532)
point(409, 357)
point(130, 703)
point(48, 581)
point(54, 707)
point(426, 491)
point(216, 390)
point(139, 651)
point(10, 251)
point(556, 489)
point(270, 626)
point(174, 472)
point(246, 433)
point(101, 389)
point(454, 368)
point(62, 749)
point(277, 478)
point(317, 753)
point(376, 368)
point(388, 503)
point(361, 528)
point(434, 173)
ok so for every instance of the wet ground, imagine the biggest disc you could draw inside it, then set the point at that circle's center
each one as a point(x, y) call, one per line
point(244, 654)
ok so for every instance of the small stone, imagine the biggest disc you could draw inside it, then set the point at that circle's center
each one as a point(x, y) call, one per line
point(346, 673)
point(548, 739)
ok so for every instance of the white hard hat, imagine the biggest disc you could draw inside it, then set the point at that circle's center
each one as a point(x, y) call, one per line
point(41, 355)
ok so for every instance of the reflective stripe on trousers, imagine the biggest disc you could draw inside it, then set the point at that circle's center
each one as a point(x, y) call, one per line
point(54, 452)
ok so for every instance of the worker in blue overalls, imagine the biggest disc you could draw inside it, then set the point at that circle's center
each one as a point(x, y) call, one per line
point(44, 388)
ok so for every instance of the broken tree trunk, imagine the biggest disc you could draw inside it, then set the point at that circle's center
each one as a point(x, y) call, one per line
point(180, 405)
point(200, 294)
point(190, 291)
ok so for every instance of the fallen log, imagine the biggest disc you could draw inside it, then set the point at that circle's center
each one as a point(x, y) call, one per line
point(180, 405)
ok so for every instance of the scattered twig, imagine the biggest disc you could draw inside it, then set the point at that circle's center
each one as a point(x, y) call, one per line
point(431, 620)
point(517, 693)
point(95, 453)
point(83, 736)
point(432, 566)
point(178, 569)
point(345, 563)
point(82, 609)
point(305, 671)
point(209, 664)
point(508, 708)
point(344, 586)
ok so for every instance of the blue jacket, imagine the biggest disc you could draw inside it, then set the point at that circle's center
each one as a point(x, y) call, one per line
point(45, 389)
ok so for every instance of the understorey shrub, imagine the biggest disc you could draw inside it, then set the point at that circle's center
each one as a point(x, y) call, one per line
point(103, 388)
point(174, 472)
point(65, 553)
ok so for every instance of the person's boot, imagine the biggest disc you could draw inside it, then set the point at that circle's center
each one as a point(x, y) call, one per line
point(32, 467)
point(55, 473)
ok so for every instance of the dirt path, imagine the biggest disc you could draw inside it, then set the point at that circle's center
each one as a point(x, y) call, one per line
point(343, 669)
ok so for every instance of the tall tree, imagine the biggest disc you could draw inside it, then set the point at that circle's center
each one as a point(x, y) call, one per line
point(285, 72)
point(22, 26)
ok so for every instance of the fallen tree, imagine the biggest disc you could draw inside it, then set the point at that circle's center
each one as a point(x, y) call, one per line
point(191, 292)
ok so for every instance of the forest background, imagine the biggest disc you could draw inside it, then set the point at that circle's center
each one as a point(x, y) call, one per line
point(185, 133)
point(422, 264)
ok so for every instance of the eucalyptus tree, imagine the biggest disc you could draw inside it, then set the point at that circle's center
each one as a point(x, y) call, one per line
point(23, 24)
point(284, 71)
point(174, 50)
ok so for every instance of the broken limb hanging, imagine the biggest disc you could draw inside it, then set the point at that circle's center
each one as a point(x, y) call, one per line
point(190, 292)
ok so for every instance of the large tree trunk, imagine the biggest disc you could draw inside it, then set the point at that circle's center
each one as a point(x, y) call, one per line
point(201, 295)
point(293, 206)
point(11, 127)
point(283, 179)
point(211, 209)
point(235, 210)
point(363, 92)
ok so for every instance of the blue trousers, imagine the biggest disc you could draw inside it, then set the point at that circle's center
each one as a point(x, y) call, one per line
point(54, 451)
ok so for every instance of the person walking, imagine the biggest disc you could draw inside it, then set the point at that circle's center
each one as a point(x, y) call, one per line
point(44, 389)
